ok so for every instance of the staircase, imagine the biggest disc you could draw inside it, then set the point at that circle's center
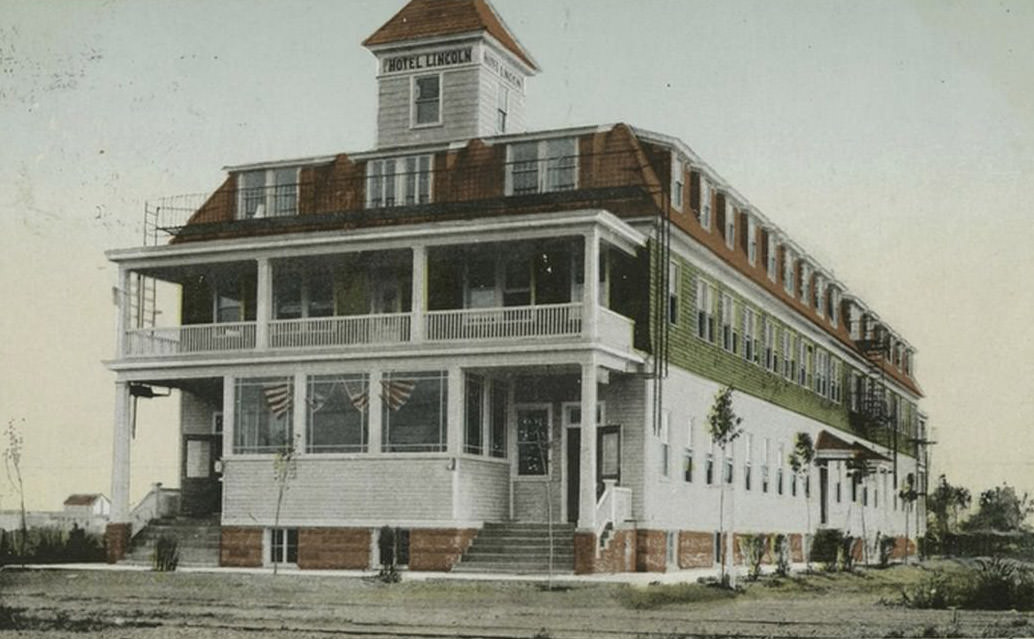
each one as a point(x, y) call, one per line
point(197, 541)
point(519, 548)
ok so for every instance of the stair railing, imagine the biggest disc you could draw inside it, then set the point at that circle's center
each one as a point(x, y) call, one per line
point(613, 507)
point(157, 503)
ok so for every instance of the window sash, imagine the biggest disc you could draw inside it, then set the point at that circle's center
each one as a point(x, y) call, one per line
point(427, 99)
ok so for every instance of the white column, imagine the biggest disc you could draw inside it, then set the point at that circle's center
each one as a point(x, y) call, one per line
point(455, 411)
point(591, 287)
point(229, 418)
point(300, 414)
point(263, 302)
point(120, 466)
point(122, 319)
point(587, 462)
point(419, 294)
point(375, 414)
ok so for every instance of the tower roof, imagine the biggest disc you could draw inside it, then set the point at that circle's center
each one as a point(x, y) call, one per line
point(434, 18)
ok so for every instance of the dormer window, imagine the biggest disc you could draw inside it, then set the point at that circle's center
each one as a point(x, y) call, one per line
point(678, 172)
point(818, 295)
point(705, 204)
point(427, 100)
point(542, 167)
point(805, 283)
point(730, 223)
point(788, 270)
point(752, 242)
point(267, 193)
point(772, 259)
point(404, 181)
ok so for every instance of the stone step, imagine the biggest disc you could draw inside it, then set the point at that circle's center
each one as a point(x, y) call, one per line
point(519, 568)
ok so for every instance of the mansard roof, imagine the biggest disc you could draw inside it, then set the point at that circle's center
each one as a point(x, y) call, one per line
point(436, 18)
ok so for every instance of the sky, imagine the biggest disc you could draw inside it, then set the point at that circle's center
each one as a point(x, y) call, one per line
point(893, 140)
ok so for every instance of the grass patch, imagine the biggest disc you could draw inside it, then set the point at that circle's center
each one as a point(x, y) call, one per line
point(658, 595)
point(993, 584)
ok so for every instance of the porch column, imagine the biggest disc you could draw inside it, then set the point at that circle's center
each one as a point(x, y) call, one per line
point(419, 294)
point(591, 287)
point(300, 414)
point(229, 416)
point(263, 302)
point(375, 414)
point(122, 319)
point(120, 469)
point(587, 463)
point(454, 423)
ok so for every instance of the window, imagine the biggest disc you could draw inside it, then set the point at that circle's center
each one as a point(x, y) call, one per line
point(502, 108)
point(793, 484)
point(678, 176)
point(705, 204)
point(728, 466)
point(788, 270)
point(730, 224)
point(687, 459)
point(401, 181)
point(336, 407)
point(262, 415)
point(664, 437)
point(730, 336)
point(833, 308)
point(804, 362)
point(821, 371)
point(749, 444)
point(769, 341)
point(705, 310)
point(764, 466)
point(267, 193)
point(533, 441)
point(750, 338)
point(413, 413)
point(835, 373)
point(497, 427)
point(283, 546)
point(818, 295)
point(805, 283)
point(542, 167)
point(300, 292)
point(788, 359)
point(779, 471)
point(771, 246)
point(474, 407)
point(752, 241)
point(427, 100)
point(709, 469)
point(673, 292)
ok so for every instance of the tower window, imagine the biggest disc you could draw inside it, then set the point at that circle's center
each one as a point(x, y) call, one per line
point(427, 100)
point(502, 108)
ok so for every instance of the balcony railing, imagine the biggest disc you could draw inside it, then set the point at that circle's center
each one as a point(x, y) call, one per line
point(340, 331)
point(196, 338)
point(547, 320)
point(491, 324)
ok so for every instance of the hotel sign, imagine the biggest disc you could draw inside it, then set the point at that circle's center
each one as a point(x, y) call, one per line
point(504, 71)
point(429, 61)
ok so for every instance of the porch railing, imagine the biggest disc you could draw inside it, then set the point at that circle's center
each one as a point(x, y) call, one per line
point(194, 338)
point(156, 504)
point(340, 331)
point(547, 320)
point(613, 507)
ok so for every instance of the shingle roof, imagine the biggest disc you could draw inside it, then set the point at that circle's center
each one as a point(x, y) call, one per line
point(831, 444)
point(81, 500)
point(431, 18)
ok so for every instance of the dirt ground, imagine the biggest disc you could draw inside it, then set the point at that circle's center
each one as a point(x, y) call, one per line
point(138, 605)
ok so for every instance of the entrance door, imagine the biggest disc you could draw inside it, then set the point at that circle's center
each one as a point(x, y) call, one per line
point(201, 482)
point(823, 495)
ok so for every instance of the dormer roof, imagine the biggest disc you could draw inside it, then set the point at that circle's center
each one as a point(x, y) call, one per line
point(422, 19)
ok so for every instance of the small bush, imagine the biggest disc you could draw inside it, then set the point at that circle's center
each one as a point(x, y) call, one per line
point(781, 551)
point(50, 545)
point(995, 584)
point(884, 549)
point(826, 546)
point(845, 554)
point(753, 547)
point(166, 555)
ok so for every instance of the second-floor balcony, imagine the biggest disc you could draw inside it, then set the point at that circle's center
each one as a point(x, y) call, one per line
point(476, 293)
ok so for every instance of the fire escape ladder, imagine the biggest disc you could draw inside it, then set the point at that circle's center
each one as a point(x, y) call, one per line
point(880, 421)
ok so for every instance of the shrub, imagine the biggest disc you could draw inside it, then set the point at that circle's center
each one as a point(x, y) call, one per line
point(884, 548)
point(48, 545)
point(753, 547)
point(826, 546)
point(845, 554)
point(166, 555)
point(781, 551)
point(995, 584)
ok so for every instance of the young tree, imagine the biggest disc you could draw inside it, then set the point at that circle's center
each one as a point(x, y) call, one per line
point(285, 468)
point(858, 470)
point(908, 494)
point(13, 468)
point(1001, 509)
point(801, 459)
point(944, 504)
point(724, 427)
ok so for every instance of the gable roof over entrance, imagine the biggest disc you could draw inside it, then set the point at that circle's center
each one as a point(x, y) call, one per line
point(435, 18)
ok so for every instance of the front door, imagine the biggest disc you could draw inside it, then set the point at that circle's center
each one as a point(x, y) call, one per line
point(201, 481)
point(574, 482)
point(534, 492)
point(823, 495)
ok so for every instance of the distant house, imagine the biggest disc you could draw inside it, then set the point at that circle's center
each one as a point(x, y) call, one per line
point(88, 511)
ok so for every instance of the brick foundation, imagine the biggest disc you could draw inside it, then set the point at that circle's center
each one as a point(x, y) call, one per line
point(240, 547)
point(696, 549)
point(899, 548)
point(334, 548)
point(116, 541)
point(438, 548)
point(619, 555)
point(651, 551)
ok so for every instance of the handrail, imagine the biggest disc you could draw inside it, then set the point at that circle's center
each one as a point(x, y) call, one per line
point(613, 507)
point(157, 503)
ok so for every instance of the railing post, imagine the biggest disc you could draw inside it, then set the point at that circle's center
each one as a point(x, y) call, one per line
point(263, 302)
point(419, 305)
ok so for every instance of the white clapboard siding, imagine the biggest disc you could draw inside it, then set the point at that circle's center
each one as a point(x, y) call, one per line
point(484, 493)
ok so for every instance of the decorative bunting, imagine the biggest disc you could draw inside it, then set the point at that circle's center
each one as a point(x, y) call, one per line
point(278, 398)
point(396, 392)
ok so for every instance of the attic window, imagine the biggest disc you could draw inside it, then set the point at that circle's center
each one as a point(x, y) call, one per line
point(267, 193)
point(541, 167)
